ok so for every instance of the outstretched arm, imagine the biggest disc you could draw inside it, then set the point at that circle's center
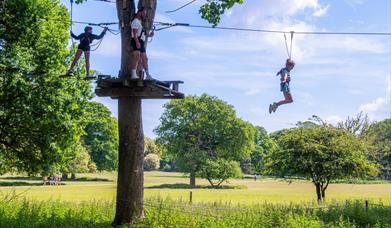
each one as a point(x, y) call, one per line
point(95, 37)
point(75, 37)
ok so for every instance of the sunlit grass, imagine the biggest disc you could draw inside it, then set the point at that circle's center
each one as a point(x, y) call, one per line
point(250, 192)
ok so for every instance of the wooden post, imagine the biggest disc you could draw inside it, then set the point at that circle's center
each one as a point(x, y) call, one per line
point(366, 206)
point(191, 197)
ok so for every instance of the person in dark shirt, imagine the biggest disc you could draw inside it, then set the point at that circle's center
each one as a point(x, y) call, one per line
point(86, 39)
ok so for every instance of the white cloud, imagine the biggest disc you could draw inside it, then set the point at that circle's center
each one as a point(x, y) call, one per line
point(321, 11)
point(377, 109)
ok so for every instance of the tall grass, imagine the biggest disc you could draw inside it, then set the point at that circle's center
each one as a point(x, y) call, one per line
point(167, 213)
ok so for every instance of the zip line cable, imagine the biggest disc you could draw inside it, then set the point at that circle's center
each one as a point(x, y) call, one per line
point(169, 25)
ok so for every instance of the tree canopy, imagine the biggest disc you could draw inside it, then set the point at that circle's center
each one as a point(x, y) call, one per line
point(321, 154)
point(200, 130)
point(40, 114)
point(101, 136)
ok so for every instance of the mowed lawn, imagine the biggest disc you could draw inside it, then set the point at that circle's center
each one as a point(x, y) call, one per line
point(247, 191)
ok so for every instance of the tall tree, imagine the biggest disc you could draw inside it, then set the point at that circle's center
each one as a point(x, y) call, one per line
point(40, 114)
point(200, 131)
point(129, 207)
point(378, 135)
point(321, 154)
point(264, 145)
point(356, 125)
point(101, 136)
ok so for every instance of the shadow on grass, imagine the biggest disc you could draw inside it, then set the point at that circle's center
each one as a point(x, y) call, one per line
point(89, 179)
point(187, 186)
point(40, 179)
point(21, 183)
point(21, 178)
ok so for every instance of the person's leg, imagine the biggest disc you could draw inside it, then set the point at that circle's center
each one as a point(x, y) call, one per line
point(77, 57)
point(136, 58)
point(144, 59)
point(87, 57)
point(288, 99)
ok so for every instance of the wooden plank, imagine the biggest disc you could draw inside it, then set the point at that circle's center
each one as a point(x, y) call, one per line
point(125, 92)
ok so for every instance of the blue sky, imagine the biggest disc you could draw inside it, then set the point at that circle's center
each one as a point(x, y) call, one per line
point(335, 76)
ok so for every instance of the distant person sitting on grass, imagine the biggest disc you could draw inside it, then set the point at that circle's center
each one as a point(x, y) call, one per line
point(45, 180)
point(285, 79)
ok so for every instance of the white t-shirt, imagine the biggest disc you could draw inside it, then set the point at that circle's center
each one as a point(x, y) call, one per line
point(136, 24)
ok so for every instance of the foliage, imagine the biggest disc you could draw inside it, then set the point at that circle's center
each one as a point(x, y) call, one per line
point(82, 163)
point(378, 136)
point(101, 136)
point(322, 154)
point(151, 147)
point(166, 213)
point(213, 9)
point(40, 114)
point(197, 129)
point(263, 145)
point(217, 171)
point(356, 125)
point(151, 162)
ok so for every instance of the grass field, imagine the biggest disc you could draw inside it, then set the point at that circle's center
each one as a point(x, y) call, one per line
point(246, 191)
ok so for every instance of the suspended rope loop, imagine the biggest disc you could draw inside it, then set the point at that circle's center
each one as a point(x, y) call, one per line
point(290, 51)
point(286, 45)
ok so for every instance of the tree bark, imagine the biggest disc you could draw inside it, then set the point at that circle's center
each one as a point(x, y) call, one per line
point(125, 12)
point(130, 185)
point(323, 193)
point(130, 190)
point(318, 192)
point(192, 179)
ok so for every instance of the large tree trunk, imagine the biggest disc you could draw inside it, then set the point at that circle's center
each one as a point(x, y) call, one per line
point(130, 185)
point(130, 189)
point(192, 179)
point(125, 12)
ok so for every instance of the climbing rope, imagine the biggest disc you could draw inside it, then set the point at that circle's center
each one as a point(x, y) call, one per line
point(289, 51)
point(73, 41)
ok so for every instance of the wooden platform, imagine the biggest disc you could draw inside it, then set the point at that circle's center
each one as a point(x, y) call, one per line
point(108, 86)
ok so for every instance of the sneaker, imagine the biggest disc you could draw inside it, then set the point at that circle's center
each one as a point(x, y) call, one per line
point(134, 76)
point(275, 106)
point(270, 108)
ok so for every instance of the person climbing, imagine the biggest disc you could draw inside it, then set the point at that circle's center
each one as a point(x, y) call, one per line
point(285, 79)
point(86, 39)
point(138, 41)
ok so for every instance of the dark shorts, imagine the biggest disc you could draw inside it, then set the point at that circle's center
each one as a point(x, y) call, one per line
point(284, 87)
point(84, 47)
point(142, 45)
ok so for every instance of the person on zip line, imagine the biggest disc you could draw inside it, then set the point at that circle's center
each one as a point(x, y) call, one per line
point(86, 39)
point(139, 38)
point(285, 79)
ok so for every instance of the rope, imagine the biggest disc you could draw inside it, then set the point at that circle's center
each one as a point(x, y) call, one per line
point(286, 45)
point(290, 51)
point(169, 25)
point(73, 41)
point(171, 11)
